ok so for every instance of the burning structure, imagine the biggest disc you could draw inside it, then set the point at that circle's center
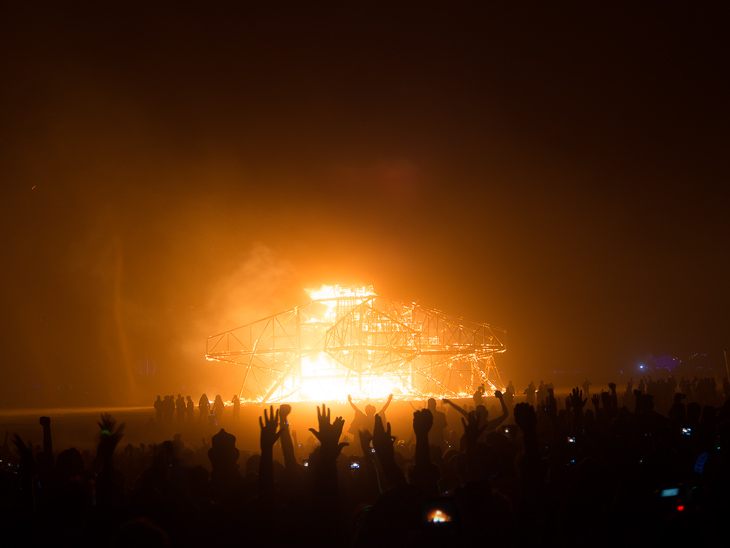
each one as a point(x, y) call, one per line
point(349, 340)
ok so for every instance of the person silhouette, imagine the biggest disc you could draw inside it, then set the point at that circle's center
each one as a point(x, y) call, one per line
point(236, 408)
point(203, 408)
point(190, 408)
point(180, 408)
point(436, 434)
point(366, 420)
point(218, 408)
point(159, 409)
point(226, 482)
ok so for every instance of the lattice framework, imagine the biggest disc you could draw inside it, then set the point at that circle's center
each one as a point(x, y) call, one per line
point(361, 344)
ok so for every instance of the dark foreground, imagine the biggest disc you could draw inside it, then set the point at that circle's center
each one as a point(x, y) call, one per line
point(637, 468)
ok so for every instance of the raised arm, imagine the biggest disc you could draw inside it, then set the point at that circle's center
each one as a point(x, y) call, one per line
point(491, 425)
point(110, 438)
point(425, 474)
point(45, 459)
point(577, 402)
point(472, 431)
point(390, 398)
point(383, 445)
point(527, 421)
point(324, 466)
point(349, 399)
point(45, 422)
point(287, 445)
point(457, 407)
point(269, 435)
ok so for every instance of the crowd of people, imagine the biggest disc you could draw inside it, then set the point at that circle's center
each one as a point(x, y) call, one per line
point(182, 409)
point(580, 470)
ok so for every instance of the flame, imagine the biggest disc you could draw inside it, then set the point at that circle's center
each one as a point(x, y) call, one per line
point(347, 342)
point(328, 295)
point(337, 291)
point(322, 379)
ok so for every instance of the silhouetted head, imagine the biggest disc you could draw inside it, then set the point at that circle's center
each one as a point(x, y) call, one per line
point(252, 463)
point(223, 452)
point(431, 404)
point(370, 410)
point(70, 462)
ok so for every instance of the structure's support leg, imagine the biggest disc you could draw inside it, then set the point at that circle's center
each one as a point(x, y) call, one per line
point(245, 376)
point(277, 384)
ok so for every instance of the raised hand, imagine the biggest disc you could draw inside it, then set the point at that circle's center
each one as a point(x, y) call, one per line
point(382, 439)
point(383, 445)
point(27, 470)
point(285, 436)
point(47, 460)
point(525, 417)
point(365, 438)
point(349, 399)
point(269, 434)
point(425, 474)
point(110, 437)
point(472, 428)
point(284, 411)
point(329, 433)
point(422, 422)
point(107, 424)
point(25, 451)
point(596, 401)
point(498, 394)
point(551, 404)
point(577, 401)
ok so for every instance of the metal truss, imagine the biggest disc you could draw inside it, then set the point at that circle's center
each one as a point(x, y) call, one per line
point(362, 344)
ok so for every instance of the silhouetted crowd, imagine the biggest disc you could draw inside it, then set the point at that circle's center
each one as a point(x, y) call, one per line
point(649, 466)
point(183, 409)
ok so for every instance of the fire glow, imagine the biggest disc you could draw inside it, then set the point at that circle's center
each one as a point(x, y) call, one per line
point(349, 340)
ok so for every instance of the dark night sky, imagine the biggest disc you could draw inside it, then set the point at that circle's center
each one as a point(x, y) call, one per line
point(173, 170)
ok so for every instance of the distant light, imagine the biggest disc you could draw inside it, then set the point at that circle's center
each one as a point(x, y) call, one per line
point(641, 367)
point(680, 508)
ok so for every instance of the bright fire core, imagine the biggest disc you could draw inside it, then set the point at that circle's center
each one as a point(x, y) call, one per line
point(348, 340)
